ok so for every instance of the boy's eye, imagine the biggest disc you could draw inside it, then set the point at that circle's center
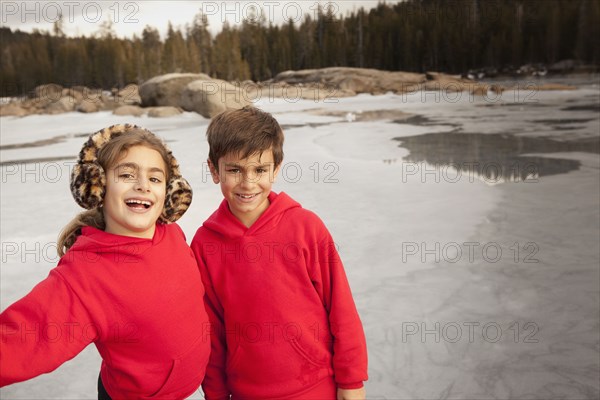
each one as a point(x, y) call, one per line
point(233, 170)
point(261, 170)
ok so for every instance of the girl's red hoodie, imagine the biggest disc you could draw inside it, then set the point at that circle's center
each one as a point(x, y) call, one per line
point(282, 314)
point(138, 300)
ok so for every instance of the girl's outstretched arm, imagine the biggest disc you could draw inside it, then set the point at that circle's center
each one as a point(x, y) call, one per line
point(43, 330)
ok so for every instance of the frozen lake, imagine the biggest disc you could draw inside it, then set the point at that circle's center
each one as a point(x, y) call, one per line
point(469, 228)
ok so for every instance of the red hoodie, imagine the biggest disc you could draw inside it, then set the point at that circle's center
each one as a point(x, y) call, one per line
point(138, 300)
point(282, 314)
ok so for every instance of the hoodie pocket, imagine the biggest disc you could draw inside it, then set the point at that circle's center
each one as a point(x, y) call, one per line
point(268, 369)
point(187, 371)
point(315, 360)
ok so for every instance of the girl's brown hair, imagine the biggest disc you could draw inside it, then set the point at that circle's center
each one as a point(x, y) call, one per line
point(108, 155)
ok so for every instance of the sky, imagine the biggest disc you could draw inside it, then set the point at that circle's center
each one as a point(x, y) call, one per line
point(131, 17)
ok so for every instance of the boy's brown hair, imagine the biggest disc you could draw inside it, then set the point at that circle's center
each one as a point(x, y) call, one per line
point(246, 131)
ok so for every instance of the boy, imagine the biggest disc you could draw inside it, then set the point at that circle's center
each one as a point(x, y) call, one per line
point(284, 324)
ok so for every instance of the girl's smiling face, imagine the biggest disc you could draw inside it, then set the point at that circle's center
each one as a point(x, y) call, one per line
point(135, 193)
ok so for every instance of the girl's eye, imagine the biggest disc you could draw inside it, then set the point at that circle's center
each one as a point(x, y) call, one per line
point(155, 180)
point(126, 175)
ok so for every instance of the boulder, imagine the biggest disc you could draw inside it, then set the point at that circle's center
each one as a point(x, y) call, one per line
point(526, 69)
point(38, 104)
point(353, 80)
point(30, 105)
point(446, 86)
point(257, 91)
point(50, 92)
point(88, 106)
point(166, 90)
point(357, 85)
point(563, 66)
point(136, 111)
point(162, 112)
point(64, 104)
point(12, 109)
point(311, 91)
point(128, 95)
point(210, 97)
point(111, 105)
point(88, 100)
point(107, 97)
point(480, 90)
point(448, 83)
point(77, 95)
point(318, 92)
point(399, 82)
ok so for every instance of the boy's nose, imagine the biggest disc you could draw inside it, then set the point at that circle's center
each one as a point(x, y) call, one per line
point(249, 178)
point(246, 182)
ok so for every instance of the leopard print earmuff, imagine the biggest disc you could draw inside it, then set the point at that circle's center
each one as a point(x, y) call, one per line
point(88, 179)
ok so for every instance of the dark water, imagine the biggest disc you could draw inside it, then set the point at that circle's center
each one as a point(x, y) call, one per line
point(496, 157)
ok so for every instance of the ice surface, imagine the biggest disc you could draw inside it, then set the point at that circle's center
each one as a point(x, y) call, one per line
point(432, 301)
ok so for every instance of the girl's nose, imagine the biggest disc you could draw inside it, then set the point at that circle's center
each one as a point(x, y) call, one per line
point(142, 184)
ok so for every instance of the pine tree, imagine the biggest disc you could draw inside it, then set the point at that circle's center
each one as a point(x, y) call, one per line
point(175, 56)
point(152, 53)
point(254, 46)
point(229, 64)
point(202, 39)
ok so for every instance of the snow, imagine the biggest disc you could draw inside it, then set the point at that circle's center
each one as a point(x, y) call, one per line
point(420, 250)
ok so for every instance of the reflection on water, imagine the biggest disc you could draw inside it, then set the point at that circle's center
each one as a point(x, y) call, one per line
point(35, 160)
point(422, 120)
point(495, 158)
point(595, 107)
point(561, 121)
point(42, 142)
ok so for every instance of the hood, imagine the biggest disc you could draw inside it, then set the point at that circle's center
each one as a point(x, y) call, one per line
point(97, 241)
point(225, 223)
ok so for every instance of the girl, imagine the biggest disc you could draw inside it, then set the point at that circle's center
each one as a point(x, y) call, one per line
point(126, 281)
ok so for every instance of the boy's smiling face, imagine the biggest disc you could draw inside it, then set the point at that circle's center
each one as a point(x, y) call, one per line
point(246, 183)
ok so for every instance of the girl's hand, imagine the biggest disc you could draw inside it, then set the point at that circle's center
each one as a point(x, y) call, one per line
point(351, 394)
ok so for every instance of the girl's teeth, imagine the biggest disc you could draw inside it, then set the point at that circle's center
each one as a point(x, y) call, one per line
point(144, 203)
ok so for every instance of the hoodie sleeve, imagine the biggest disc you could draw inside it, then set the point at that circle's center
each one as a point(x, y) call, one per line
point(349, 343)
point(215, 380)
point(44, 329)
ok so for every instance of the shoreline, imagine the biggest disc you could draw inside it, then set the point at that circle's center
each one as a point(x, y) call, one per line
point(169, 95)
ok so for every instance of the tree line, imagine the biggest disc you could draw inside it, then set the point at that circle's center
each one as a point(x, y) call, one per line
point(416, 35)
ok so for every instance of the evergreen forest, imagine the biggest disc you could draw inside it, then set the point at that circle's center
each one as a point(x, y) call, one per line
point(451, 36)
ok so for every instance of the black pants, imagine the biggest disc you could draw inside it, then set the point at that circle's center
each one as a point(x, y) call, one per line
point(102, 395)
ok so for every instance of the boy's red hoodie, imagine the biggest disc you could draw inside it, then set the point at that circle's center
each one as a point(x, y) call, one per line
point(281, 310)
point(138, 300)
